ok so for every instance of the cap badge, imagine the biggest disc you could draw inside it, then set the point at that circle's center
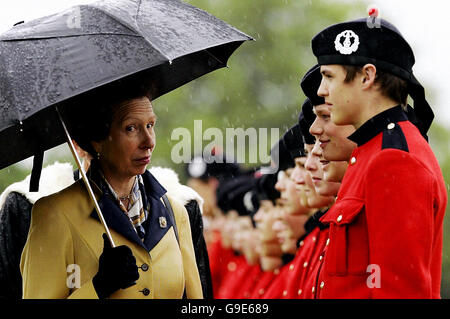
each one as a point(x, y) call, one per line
point(347, 46)
point(197, 167)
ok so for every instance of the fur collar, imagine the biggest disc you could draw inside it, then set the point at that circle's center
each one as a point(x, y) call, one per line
point(54, 178)
point(58, 176)
point(169, 180)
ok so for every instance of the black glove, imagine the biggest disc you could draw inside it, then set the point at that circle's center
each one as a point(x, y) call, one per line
point(117, 269)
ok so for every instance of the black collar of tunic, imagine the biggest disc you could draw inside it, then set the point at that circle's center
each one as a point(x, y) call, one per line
point(313, 222)
point(377, 124)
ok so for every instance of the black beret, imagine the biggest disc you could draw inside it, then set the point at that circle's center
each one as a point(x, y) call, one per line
point(266, 187)
point(217, 166)
point(305, 120)
point(360, 41)
point(310, 84)
point(293, 142)
point(281, 157)
point(234, 194)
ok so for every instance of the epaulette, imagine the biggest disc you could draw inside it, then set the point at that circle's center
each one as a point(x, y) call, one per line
point(394, 138)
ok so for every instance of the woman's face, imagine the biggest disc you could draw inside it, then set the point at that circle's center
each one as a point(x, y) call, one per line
point(128, 149)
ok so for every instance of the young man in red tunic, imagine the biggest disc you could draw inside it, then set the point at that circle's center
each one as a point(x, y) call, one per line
point(386, 225)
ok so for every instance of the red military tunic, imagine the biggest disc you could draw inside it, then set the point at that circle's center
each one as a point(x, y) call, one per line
point(237, 272)
point(306, 260)
point(218, 261)
point(248, 282)
point(277, 287)
point(386, 226)
point(265, 280)
point(307, 283)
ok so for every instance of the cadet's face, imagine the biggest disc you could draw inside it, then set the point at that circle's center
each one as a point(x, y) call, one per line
point(250, 246)
point(298, 176)
point(289, 197)
point(334, 171)
point(241, 228)
point(333, 138)
point(289, 228)
point(341, 97)
point(264, 219)
point(227, 230)
point(314, 199)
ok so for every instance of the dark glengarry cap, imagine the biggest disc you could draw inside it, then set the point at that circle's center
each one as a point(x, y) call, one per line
point(310, 84)
point(305, 120)
point(359, 42)
point(293, 142)
point(233, 194)
point(216, 165)
point(266, 187)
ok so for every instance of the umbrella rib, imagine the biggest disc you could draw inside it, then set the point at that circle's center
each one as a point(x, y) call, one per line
point(72, 35)
point(133, 28)
point(216, 58)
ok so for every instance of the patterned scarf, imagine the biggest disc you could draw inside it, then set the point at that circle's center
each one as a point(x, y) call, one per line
point(135, 210)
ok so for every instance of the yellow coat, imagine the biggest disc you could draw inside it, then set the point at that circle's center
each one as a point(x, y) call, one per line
point(65, 241)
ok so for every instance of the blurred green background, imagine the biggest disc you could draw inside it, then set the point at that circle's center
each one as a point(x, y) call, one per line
point(260, 89)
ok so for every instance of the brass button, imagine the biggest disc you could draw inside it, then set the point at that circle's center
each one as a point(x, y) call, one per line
point(232, 266)
point(261, 291)
point(276, 271)
point(339, 218)
point(321, 257)
point(144, 267)
point(285, 293)
point(305, 264)
point(291, 267)
point(314, 239)
point(313, 289)
point(299, 292)
point(391, 126)
point(322, 284)
point(353, 160)
point(328, 241)
point(301, 243)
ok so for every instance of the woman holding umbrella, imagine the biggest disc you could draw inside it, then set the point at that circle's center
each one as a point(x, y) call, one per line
point(65, 256)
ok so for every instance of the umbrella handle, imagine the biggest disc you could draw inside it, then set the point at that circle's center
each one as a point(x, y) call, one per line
point(85, 179)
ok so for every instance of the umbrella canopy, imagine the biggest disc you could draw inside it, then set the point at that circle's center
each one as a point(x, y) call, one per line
point(54, 59)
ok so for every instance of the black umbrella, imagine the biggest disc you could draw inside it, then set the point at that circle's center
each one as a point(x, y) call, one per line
point(51, 61)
